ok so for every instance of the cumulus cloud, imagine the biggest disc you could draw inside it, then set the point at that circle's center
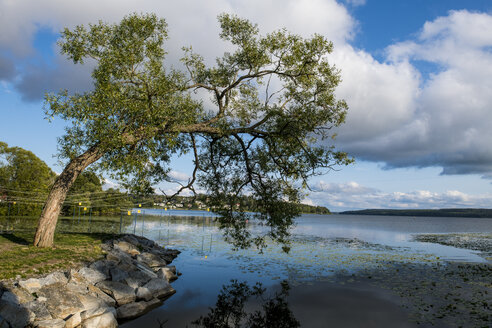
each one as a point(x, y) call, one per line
point(178, 176)
point(398, 115)
point(441, 120)
point(7, 68)
point(190, 22)
point(351, 195)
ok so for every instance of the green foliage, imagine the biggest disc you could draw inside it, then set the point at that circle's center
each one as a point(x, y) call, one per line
point(24, 181)
point(274, 107)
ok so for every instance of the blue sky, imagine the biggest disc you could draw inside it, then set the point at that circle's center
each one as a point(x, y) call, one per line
point(417, 76)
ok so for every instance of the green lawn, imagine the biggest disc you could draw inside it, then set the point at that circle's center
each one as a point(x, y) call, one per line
point(19, 257)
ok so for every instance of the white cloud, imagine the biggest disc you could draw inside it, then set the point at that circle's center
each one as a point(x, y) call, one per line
point(179, 176)
point(398, 115)
point(403, 118)
point(351, 195)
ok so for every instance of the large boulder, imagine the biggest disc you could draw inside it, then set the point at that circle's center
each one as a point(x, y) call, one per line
point(160, 288)
point(51, 323)
point(167, 273)
point(91, 275)
point(134, 310)
point(39, 309)
point(123, 294)
point(61, 302)
point(17, 316)
point(152, 260)
point(99, 318)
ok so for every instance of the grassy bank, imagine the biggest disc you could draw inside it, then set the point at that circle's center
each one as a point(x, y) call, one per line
point(19, 258)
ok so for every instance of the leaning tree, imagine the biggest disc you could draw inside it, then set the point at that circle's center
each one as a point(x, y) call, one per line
point(272, 105)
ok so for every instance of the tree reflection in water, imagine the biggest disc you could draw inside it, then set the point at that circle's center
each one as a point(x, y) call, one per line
point(230, 310)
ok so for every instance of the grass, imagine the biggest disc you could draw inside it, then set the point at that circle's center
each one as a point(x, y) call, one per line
point(19, 258)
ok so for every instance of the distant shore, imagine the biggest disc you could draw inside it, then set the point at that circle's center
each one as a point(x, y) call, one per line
point(445, 212)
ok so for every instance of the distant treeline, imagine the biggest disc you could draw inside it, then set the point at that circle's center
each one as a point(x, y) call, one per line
point(445, 212)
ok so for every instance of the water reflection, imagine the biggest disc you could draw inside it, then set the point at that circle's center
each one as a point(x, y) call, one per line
point(241, 305)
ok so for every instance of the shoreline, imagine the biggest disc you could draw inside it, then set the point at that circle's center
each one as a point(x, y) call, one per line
point(133, 278)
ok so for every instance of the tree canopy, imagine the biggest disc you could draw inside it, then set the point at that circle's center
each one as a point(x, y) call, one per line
point(273, 105)
point(23, 176)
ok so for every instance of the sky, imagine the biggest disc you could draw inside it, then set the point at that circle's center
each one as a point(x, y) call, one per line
point(417, 76)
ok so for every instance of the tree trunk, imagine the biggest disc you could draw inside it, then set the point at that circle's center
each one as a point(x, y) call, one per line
point(49, 217)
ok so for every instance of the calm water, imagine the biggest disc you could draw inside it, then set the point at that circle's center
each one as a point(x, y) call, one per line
point(322, 246)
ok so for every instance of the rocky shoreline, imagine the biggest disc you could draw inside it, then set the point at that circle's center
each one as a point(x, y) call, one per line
point(133, 278)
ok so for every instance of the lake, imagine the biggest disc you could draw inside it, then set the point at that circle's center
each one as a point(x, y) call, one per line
point(326, 252)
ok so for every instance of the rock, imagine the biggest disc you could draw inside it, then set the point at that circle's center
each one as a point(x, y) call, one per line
point(130, 239)
point(73, 321)
point(10, 297)
point(118, 257)
point(152, 260)
point(166, 273)
point(94, 291)
point(52, 323)
point(106, 320)
point(144, 294)
point(77, 288)
point(172, 268)
point(89, 302)
point(17, 316)
point(55, 277)
point(3, 323)
point(102, 266)
point(32, 285)
point(159, 288)
point(117, 274)
point(95, 312)
point(61, 301)
point(139, 278)
point(124, 246)
point(122, 293)
point(39, 309)
point(22, 295)
point(141, 267)
point(133, 310)
point(91, 275)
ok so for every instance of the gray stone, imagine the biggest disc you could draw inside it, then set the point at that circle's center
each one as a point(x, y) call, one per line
point(91, 275)
point(22, 295)
point(89, 302)
point(144, 294)
point(94, 291)
point(118, 274)
point(124, 246)
point(143, 268)
point(172, 268)
point(17, 316)
point(166, 273)
point(73, 321)
point(139, 278)
point(134, 310)
point(159, 288)
point(10, 297)
point(77, 288)
point(3, 323)
point(32, 285)
point(55, 277)
point(61, 301)
point(106, 320)
point(152, 260)
point(52, 323)
point(39, 309)
point(102, 266)
point(95, 312)
point(118, 256)
point(122, 293)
